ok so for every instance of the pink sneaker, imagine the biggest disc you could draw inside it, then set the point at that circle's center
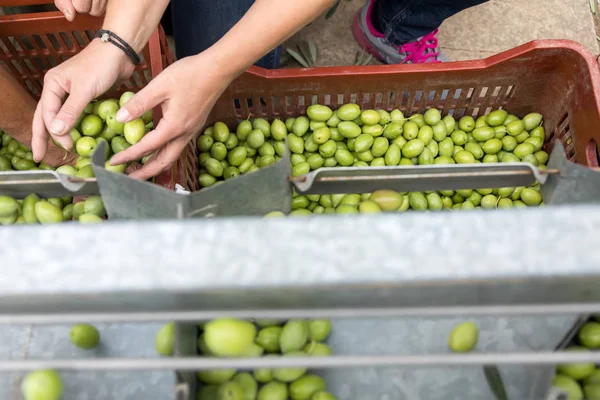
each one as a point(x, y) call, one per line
point(422, 50)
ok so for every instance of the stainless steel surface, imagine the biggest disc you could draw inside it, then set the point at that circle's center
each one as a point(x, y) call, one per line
point(417, 178)
point(20, 184)
point(335, 361)
point(575, 183)
point(254, 194)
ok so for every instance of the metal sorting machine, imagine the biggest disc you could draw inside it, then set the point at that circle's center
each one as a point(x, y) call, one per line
point(394, 284)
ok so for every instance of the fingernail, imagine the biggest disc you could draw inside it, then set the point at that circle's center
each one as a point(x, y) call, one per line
point(68, 14)
point(57, 127)
point(123, 115)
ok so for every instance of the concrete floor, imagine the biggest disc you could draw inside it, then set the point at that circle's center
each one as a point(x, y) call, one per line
point(475, 33)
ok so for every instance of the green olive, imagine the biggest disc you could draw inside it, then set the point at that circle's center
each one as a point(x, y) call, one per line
point(328, 149)
point(474, 149)
point(509, 143)
point(304, 387)
point(42, 385)
point(344, 157)
point(363, 142)
point(523, 149)
point(459, 138)
point(348, 112)
point(531, 197)
point(349, 129)
point(425, 134)
point(440, 131)
point(464, 157)
point(392, 130)
point(432, 116)
point(569, 385)
point(321, 135)
point(466, 124)
point(84, 336)
point(483, 134)
point(496, 117)
point(301, 125)
point(425, 158)
point(373, 130)
point(410, 130)
point(243, 130)
point(463, 337)
point(532, 120)
point(392, 155)
point(417, 201)
point(413, 148)
point(273, 391)
point(370, 117)
point(318, 112)
point(255, 139)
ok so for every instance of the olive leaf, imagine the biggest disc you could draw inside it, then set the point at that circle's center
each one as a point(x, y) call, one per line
point(298, 57)
point(593, 6)
point(362, 58)
point(306, 54)
point(333, 9)
point(284, 58)
point(494, 380)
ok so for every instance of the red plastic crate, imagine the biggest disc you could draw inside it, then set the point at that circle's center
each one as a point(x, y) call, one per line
point(33, 43)
point(558, 78)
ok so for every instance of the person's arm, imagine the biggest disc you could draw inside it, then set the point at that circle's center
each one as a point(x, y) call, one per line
point(92, 72)
point(188, 89)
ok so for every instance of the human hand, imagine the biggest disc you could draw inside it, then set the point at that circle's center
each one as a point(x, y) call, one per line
point(186, 91)
point(80, 79)
point(71, 7)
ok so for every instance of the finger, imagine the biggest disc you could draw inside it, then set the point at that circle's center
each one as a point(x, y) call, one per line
point(152, 141)
point(39, 139)
point(147, 98)
point(66, 7)
point(82, 6)
point(98, 8)
point(69, 113)
point(51, 101)
point(162, 160)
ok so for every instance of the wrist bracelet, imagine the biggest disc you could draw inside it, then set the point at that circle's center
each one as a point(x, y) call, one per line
point(107, 36)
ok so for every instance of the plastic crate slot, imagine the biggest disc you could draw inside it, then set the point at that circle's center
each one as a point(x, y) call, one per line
point(79, 39)
point(591, 153)
point(66, 41)
point(32, 67)
point(275, 105)
point(18, 67)
point(389, 100)
point(91, 35)
point(378, 100)
point(483, 92)
point(339, 100)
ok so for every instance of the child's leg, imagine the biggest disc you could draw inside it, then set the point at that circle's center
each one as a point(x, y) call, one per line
point(403, 31)
point(198, 24)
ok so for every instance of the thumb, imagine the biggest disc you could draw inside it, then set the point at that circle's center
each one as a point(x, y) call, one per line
point(66, 7)
point(147, 98)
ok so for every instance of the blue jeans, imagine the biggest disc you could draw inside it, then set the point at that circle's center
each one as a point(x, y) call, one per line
point(405, 20)
point(198, 24)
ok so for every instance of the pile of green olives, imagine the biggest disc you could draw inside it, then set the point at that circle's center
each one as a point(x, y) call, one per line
point(350, 136)
point(227, 337)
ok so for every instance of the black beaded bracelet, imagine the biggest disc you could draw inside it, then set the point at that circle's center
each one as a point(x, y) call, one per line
point(107, 36)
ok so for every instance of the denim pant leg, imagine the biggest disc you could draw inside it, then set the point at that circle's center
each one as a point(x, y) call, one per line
point(198, 24)
point(406, 20)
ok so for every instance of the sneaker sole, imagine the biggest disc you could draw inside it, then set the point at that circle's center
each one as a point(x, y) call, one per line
point(362, 40)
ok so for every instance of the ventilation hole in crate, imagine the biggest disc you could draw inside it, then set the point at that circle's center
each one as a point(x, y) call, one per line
point(276, 107)
point(377, 100)
point(66, 40)
point(496, 91)
point(314, 99)
point(288, 101)
point(54, 42)
point(392, 100)
point(137, 79)
point(470, 93)
point(460, 112)
point(591, 153)
point(418, 95)
point(31, 67)
point(4, 48)
point(91, 35)
point(31, 87)
point(475, 111)
point(509, 92)
point(14, 44)
point(488, 110)
point(327, 100)
point(79, 38)
point(431, 96)
point(52, 61)
point(17, 66)
point(483, 91)
point(147, 74)
point(339, 99)
point(301, 101)
point(237, 105)
point(262, 105)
